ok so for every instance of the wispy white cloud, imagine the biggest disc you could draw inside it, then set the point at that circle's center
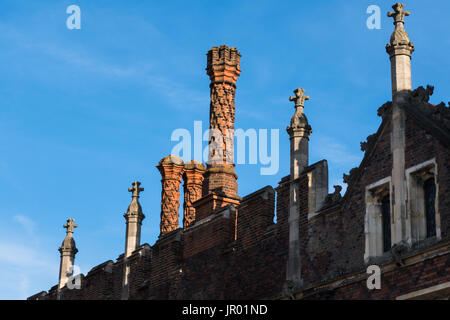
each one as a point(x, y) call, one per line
point(334, 151)
point(24, 270)
point(340, 159)
point(23, 286)
point(25, 266)
point(21, 255)
point(25, 222)
point(178, 95)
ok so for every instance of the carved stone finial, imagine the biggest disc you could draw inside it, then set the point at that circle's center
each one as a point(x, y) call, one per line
point(368, 144)
point(348, 178)
point(134, 217)
point(336, 196)
point(70, 225)
point(68, 244)
point(421, 94)
point(135, 209)
point(399, 36)
point(384, 108)
point(299, 120)
point(299, 97)
point(68, 250)
point(337, 189)
point(398, 14)
point(135, 189)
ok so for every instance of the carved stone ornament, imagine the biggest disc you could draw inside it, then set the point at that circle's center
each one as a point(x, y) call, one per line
point(399, 38)
point(299, 120)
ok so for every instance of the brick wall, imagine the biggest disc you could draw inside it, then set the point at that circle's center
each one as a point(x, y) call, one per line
point(213, 260)
point(166, 257)
point(215, 232)
point(333, 242)
point(395, 282)
point(140, 271)
point(239, 252)
point(255, 216)
point(422, 146)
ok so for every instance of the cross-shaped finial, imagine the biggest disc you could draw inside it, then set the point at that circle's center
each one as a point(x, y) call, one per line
point(135, 190)
point(399, 14)
point(299, 98)
point(70, 225)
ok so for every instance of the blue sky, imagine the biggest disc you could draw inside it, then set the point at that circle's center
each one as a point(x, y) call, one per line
point(83, 113)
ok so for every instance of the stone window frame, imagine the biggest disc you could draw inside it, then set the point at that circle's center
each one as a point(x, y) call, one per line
point(373, 218)
point(317, 188)
point(415, 202)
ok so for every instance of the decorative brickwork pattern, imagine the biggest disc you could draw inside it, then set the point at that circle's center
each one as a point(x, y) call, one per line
point(193, 181)
point(223, 68)
point(171, 169)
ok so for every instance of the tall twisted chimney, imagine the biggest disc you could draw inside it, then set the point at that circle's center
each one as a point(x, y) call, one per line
point(223, 69)
point(171, 169)
point(193, 180)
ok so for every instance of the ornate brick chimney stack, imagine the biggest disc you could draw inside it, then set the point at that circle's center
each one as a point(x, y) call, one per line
point(171, 169)
point(68, 250)
point(134, 217)
point(299, 131)
point(223, 68)
point(400, 50)
point(193, 180)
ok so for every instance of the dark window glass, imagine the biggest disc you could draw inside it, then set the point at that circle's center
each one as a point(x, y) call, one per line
point(430, 212)
point(386, 217)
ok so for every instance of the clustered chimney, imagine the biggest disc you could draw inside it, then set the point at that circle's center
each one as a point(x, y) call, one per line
point(171, 169)
point(193, 181)
point(206, 189)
